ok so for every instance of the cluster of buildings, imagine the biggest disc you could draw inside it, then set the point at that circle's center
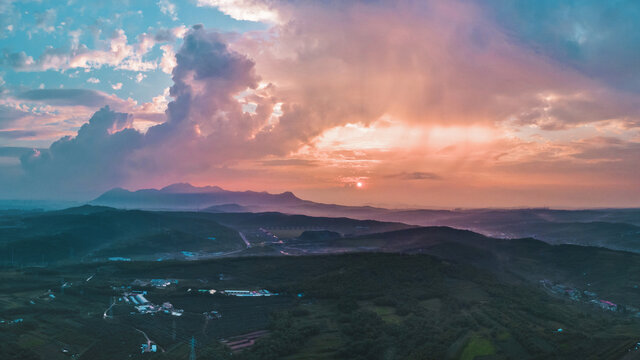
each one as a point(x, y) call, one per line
point(248, 292)
point(11, 322)
point(157, 283)
point(118, 258)
point(605, 305)
point(241, 293)
point(144, 306)
point(205, 291)
point(149, 348)
point(559, 289)
point(269, 234)
point(212, 315)
point(577, 295)
point(135, 297)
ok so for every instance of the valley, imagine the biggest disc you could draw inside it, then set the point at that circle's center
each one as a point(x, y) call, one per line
point(343, 288)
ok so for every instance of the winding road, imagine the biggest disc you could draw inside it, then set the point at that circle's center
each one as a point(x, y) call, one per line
point(244, 238)
point(104, 316)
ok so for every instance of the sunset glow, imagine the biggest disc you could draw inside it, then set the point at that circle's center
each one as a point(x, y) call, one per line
point(319, 179)
point(435, 103)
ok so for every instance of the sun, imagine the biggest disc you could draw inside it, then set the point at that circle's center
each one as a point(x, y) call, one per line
point(359, 184)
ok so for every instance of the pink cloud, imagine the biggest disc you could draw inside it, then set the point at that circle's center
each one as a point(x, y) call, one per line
point(115, 51)
point(429, 101)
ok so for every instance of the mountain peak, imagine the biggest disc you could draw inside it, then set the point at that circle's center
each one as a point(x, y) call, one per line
point(289, 195)
point(115, 191)
point(178, 187)
point(186, 188)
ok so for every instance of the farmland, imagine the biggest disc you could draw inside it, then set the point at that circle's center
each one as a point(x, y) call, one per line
point(357, 306)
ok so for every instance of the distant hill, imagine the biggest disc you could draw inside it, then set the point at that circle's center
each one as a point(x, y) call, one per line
point(94, 233)
point(31, 205)
point(342, 225)
point(186, 188)
point(90, 233)
point(319, 235)
point(187, 197)
point(614, 274)
point(184, 196)
point(613, 228)
point(396, 289)
point(227, 208)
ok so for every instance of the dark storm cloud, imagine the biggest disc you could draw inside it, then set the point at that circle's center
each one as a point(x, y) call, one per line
point(91, 161)
point(16, 152)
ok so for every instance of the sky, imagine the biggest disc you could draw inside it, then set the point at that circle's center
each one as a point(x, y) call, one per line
point(431, 103)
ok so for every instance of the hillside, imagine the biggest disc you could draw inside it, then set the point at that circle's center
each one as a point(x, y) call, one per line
point(399, 292)
point(613, 228)
point(88, 232)
point(614, 274)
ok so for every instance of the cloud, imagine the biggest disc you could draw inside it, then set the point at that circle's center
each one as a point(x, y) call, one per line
point(117, 86)
point(333, 64)
point(70, 97)
point(168, 8)
point(115, 51)
point(9, 17)
point(92, 160)
point(417, 175)
point(9, 114)
point(401, 93)
point(607, 149)
point(16, 152)
point(146, 41)
point(290, 163)
point(170, 34)
point(553, 111)
point(17, 60)
point(168, 61)
point(16, 134)
point(204, 117)
point(45, 20)
point(118, 53)
point(251, 10)
point(93, 80)
point(48, 114)
point(580, 34)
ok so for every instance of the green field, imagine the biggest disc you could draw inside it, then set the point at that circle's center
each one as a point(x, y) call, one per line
point(477, 346)
point(356, 306)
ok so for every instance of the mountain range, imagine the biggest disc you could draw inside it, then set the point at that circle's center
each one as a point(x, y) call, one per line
point(613, 228)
